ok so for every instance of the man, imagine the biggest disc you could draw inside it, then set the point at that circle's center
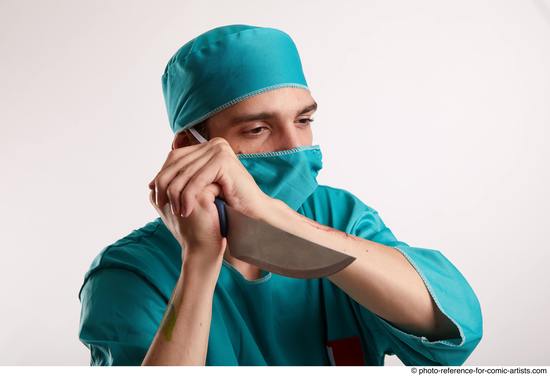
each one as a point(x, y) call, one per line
point(171, 293)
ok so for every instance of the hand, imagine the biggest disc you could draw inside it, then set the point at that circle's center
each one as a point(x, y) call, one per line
point(199, 233)
point(189, 170)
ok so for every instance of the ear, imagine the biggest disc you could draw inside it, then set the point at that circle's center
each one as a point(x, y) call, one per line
point(182, 139)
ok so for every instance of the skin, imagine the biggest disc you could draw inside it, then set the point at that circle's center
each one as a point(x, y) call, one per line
point(289, 128)
point(381, 279)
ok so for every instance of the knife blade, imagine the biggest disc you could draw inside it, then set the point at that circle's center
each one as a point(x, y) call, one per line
point(276, 250)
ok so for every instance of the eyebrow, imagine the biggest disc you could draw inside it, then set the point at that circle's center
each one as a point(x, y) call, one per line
point(268, 115)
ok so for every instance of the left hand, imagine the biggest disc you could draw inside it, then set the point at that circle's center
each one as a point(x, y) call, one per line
point(188, 170)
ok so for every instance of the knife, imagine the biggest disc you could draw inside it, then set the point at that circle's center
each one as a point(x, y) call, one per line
point(275, 250)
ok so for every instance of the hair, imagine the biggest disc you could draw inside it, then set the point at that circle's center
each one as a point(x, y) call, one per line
point(202, 128)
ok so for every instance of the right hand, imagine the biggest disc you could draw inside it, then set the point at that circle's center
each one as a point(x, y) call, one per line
point(199, 233)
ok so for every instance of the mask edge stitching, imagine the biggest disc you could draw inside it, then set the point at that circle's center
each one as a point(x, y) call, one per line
point(279, 152)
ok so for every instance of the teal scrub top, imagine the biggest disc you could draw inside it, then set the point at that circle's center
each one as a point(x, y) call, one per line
point(273, 320)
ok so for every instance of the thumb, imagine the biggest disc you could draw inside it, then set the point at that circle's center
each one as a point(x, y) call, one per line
point(214, 189)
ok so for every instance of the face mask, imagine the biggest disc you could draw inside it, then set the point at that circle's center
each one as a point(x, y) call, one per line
point(287, 175)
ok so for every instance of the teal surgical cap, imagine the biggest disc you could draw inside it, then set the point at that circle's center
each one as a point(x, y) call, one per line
point(226, 65)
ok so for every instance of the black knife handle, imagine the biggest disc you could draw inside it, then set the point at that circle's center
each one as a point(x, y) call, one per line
point(222, 215)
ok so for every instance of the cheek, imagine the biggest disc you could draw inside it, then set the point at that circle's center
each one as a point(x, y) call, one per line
point(307, 136)
point(235, 141)
point(241, 146)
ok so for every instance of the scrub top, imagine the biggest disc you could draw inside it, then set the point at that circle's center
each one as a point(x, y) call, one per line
point(273, 320)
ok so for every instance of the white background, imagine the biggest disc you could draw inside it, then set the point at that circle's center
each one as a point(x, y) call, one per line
point(435, 113)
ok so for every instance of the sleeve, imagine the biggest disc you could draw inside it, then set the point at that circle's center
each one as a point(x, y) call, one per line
point(449, 290)
point(120, 314)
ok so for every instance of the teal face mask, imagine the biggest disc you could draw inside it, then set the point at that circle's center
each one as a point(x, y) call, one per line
point(288, 175)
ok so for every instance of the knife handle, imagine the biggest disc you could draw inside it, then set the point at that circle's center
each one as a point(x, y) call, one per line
point(222, 215)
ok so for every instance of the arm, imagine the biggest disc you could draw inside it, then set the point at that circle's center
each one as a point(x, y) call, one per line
point(182, 337)
point(122, 316)
point(448, 288)
point(381, 279)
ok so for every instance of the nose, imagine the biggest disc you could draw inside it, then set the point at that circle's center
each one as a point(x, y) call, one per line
point(289, 138)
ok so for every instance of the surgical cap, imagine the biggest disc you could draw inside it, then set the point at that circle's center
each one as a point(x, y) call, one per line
point(226, 65)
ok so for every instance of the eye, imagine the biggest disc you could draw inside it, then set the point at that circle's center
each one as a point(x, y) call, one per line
point(255, 131)
point(306, 121)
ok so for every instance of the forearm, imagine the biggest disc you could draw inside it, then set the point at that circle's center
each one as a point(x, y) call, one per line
point(182, 337)
point(381, 279)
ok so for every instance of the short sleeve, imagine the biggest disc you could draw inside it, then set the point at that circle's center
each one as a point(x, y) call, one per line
point(120, 314)
point(449, 290)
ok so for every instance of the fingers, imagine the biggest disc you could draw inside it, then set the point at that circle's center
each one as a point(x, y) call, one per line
point(160, 211)
point(167, 175)
point(175, 187)
point(185, 165)
point(174, 155)
point(197, 183)
point(152, 197)
point(211, 171)
point(213, 188)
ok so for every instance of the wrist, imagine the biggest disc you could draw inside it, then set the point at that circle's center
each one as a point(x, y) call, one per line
point(268, 209)
point(197, 265)
point(276, 212)
point(283, 217)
